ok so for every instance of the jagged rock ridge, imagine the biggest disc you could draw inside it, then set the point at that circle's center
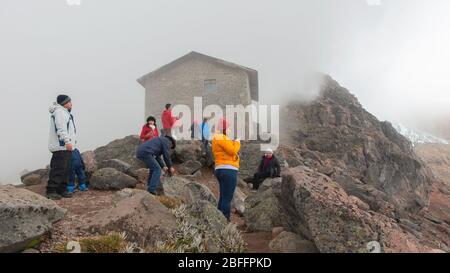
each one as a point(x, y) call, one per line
point(369, 158)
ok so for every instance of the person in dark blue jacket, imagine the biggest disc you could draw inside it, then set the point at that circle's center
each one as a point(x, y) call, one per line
point(150, 152)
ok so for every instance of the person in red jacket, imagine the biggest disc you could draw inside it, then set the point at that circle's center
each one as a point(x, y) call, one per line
point(149, 130)
point(168, 120)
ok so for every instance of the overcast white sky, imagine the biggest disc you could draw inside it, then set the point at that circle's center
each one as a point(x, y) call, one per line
point(393, 56)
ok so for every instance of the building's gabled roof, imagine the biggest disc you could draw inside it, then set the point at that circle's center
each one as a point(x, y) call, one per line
point(252, 74)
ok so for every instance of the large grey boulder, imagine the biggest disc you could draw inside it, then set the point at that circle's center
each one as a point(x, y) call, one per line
point(263, 211)
point(24, 218)
point(122, 149)
point(188, 150)
point(204, 213)
point(250, 157)
point(137, 213)
point(111, 179)
point(186, 190)
point(238, 201)
point(189, 167)
point(119, 165)
point(269, 183)
point(90, 163)
point(173, 186)
point(35, 177)
point(319, 209)
point(194, 191)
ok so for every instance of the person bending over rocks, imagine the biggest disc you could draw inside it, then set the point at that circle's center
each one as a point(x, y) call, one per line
point(150, 152)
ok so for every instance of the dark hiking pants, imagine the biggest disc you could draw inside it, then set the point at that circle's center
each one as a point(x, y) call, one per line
point(60, 169)
point(259, 178)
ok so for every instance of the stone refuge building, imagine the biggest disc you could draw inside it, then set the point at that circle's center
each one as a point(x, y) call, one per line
point(197, 75)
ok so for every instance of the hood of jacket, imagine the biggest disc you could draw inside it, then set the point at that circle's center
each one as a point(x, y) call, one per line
point(56, 106)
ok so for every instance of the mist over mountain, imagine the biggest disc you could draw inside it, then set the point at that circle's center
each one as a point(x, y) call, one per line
point(393, 57)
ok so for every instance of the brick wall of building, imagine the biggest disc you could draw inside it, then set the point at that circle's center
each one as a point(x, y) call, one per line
point(181, 83)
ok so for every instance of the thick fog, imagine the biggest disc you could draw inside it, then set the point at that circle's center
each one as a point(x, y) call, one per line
point(394, 55)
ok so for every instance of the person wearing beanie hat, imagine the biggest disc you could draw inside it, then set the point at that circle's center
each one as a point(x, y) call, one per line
point(226, 158)
point(269, 167)
point(62, 141)
point(63, 100)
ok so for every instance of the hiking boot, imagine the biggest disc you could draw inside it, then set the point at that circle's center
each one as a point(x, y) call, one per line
point(71, 189)
point(83, 187)
point(66, 195)
point(53, 196)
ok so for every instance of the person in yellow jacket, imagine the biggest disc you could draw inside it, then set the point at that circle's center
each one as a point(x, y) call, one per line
point(226, 159)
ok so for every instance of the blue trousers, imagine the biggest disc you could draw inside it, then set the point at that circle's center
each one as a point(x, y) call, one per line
point(227, 182)
point(155, 172)
point(77, 169)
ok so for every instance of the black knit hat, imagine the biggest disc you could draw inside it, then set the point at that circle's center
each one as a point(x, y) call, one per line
point(63, 100)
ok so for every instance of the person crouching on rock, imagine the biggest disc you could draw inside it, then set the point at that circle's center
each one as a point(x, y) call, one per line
point(226, 159)
point(150, 152)
point(62, 140)
point(269, 167)
point(149, 130)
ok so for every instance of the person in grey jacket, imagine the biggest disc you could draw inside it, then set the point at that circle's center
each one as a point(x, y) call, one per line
point(62, 141)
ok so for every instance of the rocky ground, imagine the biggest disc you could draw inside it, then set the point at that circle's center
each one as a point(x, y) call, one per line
point(437, 158)
point(350, 183)
point(85, 204)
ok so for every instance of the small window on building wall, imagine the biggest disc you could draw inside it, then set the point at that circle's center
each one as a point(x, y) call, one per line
point(210, 86)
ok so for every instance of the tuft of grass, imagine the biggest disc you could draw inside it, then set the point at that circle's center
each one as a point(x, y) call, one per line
point(113, 243)
point(169, 202)
point(194, 238)
point(110, 243)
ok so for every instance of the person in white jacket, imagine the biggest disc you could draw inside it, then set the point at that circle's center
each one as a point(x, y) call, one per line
point(62, 141)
